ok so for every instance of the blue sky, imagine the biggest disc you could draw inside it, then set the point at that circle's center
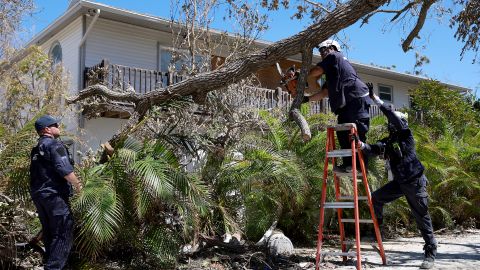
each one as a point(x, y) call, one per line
point(374, 43)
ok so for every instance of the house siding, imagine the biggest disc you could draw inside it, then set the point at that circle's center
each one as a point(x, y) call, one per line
point(124, 44)
point(69, 39)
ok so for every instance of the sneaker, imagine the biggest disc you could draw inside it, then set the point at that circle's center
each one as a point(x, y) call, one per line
point(430, 254)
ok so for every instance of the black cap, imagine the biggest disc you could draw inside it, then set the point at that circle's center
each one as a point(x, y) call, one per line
point(45, 121)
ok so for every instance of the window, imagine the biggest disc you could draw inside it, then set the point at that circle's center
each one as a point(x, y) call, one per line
point(180, 62)
point(385, 92)
point(56, 54)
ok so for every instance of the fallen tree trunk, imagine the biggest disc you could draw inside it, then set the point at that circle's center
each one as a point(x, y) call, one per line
point(234, 71)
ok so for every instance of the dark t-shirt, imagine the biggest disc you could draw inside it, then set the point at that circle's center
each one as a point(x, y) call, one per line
point(49, 164)
point(342, 81)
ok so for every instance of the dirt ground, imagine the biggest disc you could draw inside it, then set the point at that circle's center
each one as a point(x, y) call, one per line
point(456, 250)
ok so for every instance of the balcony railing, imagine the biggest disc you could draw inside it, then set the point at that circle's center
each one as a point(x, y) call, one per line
point(145, 80)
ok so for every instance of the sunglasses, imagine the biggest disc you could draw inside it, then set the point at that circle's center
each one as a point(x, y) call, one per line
point(322, 49)
point(53, 125)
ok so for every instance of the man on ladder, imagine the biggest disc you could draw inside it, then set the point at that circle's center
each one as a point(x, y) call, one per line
point(348, 95)
point(408, 180)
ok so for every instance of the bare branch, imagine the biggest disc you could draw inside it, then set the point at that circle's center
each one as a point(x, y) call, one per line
point(406, 45)
point(102, 90)
point(317, 5)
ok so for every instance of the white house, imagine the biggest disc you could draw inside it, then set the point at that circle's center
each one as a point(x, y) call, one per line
point(88, 32)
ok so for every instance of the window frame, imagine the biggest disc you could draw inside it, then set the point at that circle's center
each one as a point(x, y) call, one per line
point(50, 53)
point(170, 50)
point(390, 87)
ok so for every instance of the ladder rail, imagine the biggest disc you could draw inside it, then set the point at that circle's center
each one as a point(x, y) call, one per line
point(322, 202)
point(331, 155)
point(376, 227)
point(355, 197)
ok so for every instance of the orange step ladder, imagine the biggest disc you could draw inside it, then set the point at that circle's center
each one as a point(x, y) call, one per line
point(346, 201)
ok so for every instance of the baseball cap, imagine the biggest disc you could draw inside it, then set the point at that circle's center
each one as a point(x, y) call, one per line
point(45, 121)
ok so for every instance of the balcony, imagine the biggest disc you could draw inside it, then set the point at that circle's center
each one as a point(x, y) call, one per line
point(145, 80)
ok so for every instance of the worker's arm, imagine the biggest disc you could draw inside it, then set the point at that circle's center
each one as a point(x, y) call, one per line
point(72, 178)
point(387, 110)
point(63, 166)
point(376, 149)
point(315, 73)
point(319, 96)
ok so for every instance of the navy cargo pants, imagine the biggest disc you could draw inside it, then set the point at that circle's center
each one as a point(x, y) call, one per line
point(57, 224)
point(415, 191)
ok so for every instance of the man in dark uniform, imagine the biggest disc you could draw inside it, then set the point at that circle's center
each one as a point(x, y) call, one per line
point(398, 149)
point(51, 177)
point(347, 95)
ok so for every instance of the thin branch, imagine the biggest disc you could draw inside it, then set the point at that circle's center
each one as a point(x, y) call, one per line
point(318, 5)
point(406, 45)
point(397, 12)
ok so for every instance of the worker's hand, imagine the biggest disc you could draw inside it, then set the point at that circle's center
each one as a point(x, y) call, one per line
point(371, 94)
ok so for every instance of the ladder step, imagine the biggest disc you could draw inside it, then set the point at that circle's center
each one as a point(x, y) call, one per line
point(353, 242)
point(345, 126)
point(339, 205)
point(360, 198)
point(340, 153)
point(334, 253)
point(349, 174)
point(351, 220)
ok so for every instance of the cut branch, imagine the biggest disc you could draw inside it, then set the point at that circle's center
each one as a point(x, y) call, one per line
point(297, 102)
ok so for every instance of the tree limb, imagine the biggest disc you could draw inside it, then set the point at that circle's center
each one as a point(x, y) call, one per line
point(420, 22)
point(297, 102)
point(232, 72)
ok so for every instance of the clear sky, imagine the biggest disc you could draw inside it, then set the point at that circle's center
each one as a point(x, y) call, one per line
point(374, 43)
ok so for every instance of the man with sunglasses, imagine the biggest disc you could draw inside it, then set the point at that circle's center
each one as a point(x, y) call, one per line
point(51, 178)
point(347, 95)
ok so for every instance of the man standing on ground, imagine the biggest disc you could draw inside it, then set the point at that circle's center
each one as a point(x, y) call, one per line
point(51, 177)
point(398, 149)
point(347, 95)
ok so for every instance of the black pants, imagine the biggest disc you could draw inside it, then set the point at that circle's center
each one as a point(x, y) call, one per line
point(416, 194)
point(356, 111)
point(57, 225)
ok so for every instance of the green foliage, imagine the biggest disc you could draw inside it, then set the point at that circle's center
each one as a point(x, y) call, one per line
point(443, 110)
point(133, 200)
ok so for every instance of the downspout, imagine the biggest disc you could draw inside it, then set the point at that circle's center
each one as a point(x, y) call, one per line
point(97, 14)
point(82, 54)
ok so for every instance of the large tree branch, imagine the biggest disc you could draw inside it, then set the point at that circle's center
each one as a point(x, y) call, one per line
point(422, 16)
point(232, 72)
point(297, 102)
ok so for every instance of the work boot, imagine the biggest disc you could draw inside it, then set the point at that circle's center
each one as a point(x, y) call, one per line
point(430, 253)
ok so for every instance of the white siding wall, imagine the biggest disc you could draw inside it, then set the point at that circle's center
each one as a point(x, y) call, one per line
point(100, 130)
point(69, 38)
point(400, 89)
point(124, 44)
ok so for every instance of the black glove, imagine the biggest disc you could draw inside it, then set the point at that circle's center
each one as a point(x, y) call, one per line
point(305, 99)
point(371, 94)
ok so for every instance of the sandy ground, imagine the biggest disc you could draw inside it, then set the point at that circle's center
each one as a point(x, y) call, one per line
point(460, 250)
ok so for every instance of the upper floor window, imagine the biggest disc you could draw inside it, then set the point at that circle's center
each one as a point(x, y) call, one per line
point(385, 92)
point(56, 54)
point(180, 60)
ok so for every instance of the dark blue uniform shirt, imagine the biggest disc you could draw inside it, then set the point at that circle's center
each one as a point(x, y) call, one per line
point(398, 148)
point(343, 83)
point(49, 164)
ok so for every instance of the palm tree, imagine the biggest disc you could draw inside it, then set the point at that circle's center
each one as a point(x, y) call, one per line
point(139, 200)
